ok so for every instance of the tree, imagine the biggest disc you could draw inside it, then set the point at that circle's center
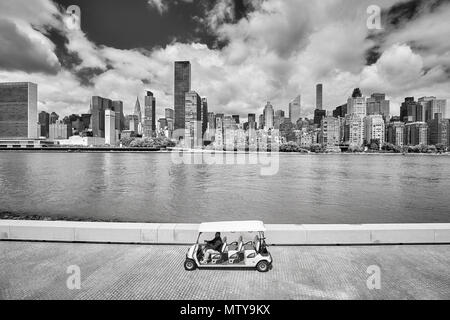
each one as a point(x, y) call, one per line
point(317, 148)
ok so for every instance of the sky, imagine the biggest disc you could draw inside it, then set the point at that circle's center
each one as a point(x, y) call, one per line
point(243, 52)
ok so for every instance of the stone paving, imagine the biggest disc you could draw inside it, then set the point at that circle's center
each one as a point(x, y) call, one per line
point(30, 270)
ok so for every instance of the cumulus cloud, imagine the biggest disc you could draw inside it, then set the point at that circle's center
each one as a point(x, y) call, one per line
point(275, 51)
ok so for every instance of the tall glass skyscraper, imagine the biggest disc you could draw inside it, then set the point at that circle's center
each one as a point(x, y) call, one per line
point(295, 109)
point(182, 86)
point(319, 96)
point(149, 121)
point(18, 110)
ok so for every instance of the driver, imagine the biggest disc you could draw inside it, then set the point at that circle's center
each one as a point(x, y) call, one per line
point(212, 247)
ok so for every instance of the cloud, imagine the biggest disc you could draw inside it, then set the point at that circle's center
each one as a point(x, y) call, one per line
point(160, 5)
point(272, 50)
point(28, 51)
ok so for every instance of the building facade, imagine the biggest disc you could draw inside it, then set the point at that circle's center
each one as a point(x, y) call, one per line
point(149, 119)
point(60, 131)
point(319, 96)
point(330, 133)
point(182, 86)
point(193, 137)
point(295, 109)
point(44, 124)
point(374, 129)
point(110, 127)
point(378, 105)
point(18, 110)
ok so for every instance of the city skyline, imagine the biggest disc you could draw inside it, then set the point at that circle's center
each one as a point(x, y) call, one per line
point(72, 64)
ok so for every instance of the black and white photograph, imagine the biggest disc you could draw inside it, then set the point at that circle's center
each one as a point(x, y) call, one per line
point(224, 155)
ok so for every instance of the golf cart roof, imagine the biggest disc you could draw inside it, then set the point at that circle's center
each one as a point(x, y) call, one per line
point(232, 226)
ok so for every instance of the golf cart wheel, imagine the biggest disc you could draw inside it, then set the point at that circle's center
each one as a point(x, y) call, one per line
point(263, 266)
point(190, 265)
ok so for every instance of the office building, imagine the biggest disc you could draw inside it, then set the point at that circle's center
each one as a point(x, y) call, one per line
point(182, 86)
point(438, 131)
point(204, 115)
point(218, 141)
point(149, 119)
point(354, 130)
point(120, 117)
point(378, 105)
point(44, 124)
point(236, 118)
point(295, 109)
point(433, 108)
point(412, 111)
point(97, 110)
point(18, 110)
point(133, 123)
point(193, 137)
point(340, 111)
point(374, 129)
point(416, 133)
point(269, 116)
point(252, 121)
point(110, 127)
point(356, 104)
point(396, 133)
point(330, 133)
point(319, 96)
point(60, 131)
point(318, 116)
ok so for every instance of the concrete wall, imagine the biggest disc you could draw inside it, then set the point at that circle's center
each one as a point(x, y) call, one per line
point(290, 234)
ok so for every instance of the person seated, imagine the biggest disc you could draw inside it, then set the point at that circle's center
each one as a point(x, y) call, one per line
point(212, 247)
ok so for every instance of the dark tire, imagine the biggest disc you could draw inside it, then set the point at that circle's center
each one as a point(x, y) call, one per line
point(263, 266)
point(190, 265)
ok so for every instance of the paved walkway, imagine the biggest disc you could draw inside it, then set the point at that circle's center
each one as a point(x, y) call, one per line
point(38, 271)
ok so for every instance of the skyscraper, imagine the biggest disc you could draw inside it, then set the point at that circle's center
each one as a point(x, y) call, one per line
point(319, 96)
point(374, 129)
point(193, 120)
point(204, 115)
point(269, 116)
point(182, 86)
point(330, 133)
point(98, 107)
point(357, 104)
point(149, 121)
point(252, 121)
point(120, 117)
point(412, 111)
point(18, 110)
point(110, 127)
point(236, 118)
point(44, 123)
point(432, 108)
point(295, 109)
point(378, 105)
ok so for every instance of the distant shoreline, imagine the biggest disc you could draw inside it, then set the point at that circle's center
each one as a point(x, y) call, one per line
point(164, 150)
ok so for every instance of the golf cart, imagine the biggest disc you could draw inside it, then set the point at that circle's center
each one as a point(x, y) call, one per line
point(241, 244)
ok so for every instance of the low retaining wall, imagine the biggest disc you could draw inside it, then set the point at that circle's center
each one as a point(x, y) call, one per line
point(184, 234)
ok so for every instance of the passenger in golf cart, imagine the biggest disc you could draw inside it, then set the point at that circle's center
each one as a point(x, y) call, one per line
point(212, 247)
point(241, 253)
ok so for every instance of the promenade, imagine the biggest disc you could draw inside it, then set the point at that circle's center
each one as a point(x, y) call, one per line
point(33, 270)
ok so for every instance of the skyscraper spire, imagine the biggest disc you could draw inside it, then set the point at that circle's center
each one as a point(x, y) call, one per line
point(137, 110)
